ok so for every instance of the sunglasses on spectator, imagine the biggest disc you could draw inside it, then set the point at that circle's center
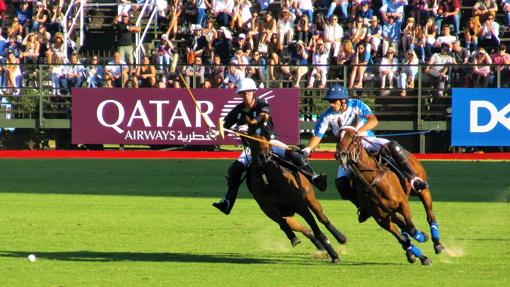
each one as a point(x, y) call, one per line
point(490, 18)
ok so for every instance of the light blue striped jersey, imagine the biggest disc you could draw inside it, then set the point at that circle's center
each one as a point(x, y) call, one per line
point(356, 109)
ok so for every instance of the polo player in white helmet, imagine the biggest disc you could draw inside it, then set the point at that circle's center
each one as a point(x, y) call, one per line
point(258, 109)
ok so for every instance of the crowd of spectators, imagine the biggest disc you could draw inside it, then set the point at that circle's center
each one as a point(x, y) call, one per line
point(304, 42)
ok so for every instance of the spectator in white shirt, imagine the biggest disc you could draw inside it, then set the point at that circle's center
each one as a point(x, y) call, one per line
point(320, 60)
point(489, 34)
point(333, 34)
point(285, 27)
point(223, 11)
point(388, 68)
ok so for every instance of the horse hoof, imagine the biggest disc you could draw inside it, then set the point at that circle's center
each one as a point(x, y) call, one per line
point(295, 241)
point(425, 261)
point(410, 257)
point(438, 247)
point(335, 260)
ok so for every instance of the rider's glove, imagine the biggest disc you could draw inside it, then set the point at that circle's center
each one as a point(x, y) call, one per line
point(213, 134)
point(306, 151)
point(241, 128)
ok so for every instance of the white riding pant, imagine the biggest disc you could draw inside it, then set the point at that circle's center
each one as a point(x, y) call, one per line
point(245, 156)
point(372, 144)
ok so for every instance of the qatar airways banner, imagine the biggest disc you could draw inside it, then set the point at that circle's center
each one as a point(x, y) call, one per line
point(170, 116)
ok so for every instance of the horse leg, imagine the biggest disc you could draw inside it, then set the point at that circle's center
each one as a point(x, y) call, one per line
point(411, 251)
point(316, 207)
point(426, 200)
point(410, 229)
point(414, 232)
point(273, 213)
point(297, 226)
point(307, 215)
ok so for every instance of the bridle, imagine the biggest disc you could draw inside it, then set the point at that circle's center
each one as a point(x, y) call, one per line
point(351, 153)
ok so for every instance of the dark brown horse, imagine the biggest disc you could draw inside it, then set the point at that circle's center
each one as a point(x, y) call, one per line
point(281, 193)
point(380, 192)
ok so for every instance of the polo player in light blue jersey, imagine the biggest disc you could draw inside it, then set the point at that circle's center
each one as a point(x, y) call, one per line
point(344, 111)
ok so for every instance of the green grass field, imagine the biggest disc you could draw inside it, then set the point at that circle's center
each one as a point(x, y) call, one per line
point(150, 223)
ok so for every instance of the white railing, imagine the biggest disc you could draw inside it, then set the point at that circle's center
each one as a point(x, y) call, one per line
point(140, 49)
point(80, 16)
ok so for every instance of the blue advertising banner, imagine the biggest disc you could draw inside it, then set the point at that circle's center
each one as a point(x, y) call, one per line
point(481, 117)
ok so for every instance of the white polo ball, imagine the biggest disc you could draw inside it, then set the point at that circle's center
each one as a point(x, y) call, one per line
point(31, 258)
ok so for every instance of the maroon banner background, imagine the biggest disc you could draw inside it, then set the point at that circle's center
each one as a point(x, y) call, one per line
point(169, 116)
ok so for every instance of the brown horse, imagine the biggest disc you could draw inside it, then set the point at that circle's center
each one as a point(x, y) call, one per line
point(380, 192)
point(281, 193)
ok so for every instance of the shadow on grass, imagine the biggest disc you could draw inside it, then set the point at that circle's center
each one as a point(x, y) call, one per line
point(95, 256)
point(224, 258)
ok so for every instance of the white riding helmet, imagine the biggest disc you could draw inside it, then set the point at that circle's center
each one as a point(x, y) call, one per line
point(246, 84)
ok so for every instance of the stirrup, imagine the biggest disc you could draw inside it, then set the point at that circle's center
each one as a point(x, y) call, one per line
point(418, 184)
point(320, 181)
point(223, 205)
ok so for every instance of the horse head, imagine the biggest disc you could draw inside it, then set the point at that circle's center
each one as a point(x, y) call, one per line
point(348, 145)
point(260, 150)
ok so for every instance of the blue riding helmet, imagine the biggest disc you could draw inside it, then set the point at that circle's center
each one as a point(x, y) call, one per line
point(336, 92)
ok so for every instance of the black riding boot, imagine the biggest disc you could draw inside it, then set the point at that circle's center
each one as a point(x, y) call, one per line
point(399, 154)
point(318, 180)
point(235, 174)
point(348, 193)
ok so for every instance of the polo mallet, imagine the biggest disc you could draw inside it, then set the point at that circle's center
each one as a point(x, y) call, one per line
point(194, 101)
point(222, 131)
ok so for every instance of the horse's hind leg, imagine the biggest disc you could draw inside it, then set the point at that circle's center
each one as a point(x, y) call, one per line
point(297, 226)
point(410, 229)
point(276, 216)
point(319, 212)
point(426, 200)
point(411, 251)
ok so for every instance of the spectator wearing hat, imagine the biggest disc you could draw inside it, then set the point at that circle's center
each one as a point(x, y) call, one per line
point(489, 33)
point(333, 35)
point(501, 60)
point(388, 68)
point(409, 70)
point(164, 51)
point(40, 17)
point(175, 10)
point(365, 12)
point(449, 10)
point(482, 68)
point(223, 11)
point(390, 34)
point(285, 27)
point(320, 61)
point(196, 45)
point(123, 30)
point(374, 35)
point(437, 69)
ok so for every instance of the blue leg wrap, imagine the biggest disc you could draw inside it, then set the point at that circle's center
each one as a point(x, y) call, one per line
point(415, 251)
point(434, 231)
point(419, 236)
